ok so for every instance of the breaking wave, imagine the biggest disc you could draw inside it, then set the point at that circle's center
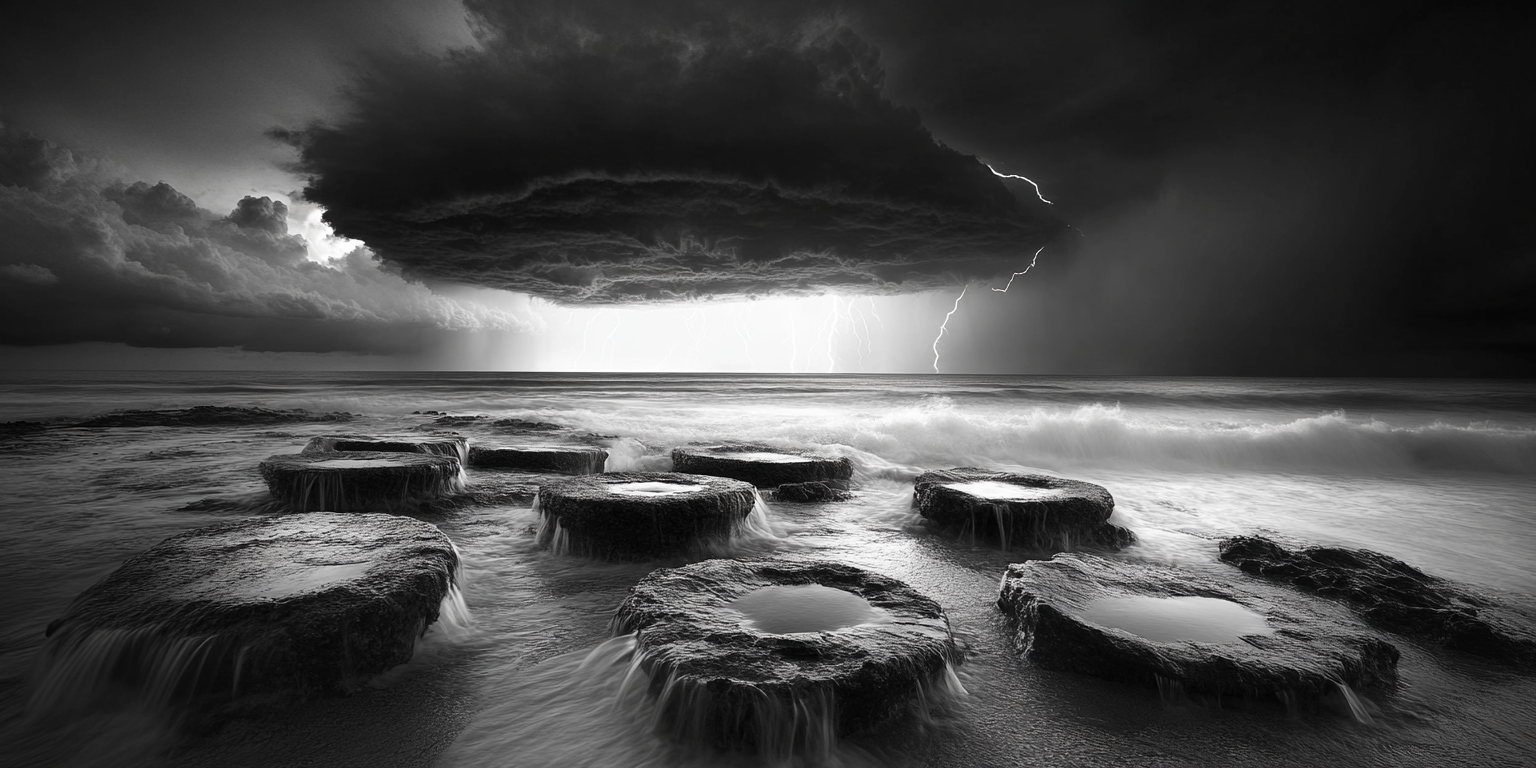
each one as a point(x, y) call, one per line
point(1101, 435)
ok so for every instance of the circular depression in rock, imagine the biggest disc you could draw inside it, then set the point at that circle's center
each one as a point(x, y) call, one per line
point(637, 515)
point(800, 608)
point(360, 481)
point(567, 459)
point(780, 655)
point(308, 603)
point(761, 466)
point(1174, 619)
point(1153, 626)
point(1036, 512)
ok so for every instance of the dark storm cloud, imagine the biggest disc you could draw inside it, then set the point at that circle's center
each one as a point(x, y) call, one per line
point(1264, 187)
point(84, 258)
point(613, 151)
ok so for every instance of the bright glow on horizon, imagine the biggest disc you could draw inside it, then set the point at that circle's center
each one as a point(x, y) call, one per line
point(830, 333)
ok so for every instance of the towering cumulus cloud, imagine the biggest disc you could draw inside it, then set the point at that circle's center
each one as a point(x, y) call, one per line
point(601, 152)
point(84, 257)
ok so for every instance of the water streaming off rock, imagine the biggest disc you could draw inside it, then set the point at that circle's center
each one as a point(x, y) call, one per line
point(1441, 474)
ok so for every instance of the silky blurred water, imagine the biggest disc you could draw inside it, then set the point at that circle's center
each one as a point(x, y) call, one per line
point(1439, 473)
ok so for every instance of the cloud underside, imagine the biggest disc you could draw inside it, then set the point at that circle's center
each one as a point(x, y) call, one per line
point(84, 257)
point(590, 156)
point(603, 240)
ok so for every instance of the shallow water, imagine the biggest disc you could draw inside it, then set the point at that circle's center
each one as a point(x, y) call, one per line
point(784, 610)
point(993, 489)
point(1176, 619)
point(1441, 474)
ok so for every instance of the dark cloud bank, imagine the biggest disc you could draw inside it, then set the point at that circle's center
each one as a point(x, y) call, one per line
point(84, 257)
point(612, 152)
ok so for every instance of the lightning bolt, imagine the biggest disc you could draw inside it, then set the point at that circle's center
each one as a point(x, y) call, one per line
point(945, 326)
point(1021, 178)
point(1005, 288)
point(873, 312)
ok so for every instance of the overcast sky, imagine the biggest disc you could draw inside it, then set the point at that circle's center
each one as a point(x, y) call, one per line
point(1253, 188)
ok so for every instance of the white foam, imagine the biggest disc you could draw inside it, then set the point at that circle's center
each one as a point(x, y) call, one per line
point(1000, 491)
point(652, 489)
point(765, 457)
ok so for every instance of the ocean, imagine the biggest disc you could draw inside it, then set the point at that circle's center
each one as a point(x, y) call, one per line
point(1439, 473)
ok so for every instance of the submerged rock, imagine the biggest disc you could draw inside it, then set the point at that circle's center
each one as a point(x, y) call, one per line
point(638, 515)
point(567, 459)
point(523, 425)
point(360, 480)
point(811, 492)
point(1392, 595)
point(210, 416)
point(760, 465)
point(15, 429)
point(307, 603)
point(1036, 512)
point(783, 656)
point(1155, 626)
point(446, 445)
point(458, 421)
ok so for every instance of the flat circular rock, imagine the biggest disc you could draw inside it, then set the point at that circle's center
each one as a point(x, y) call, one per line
point(568, 459)
point(1036, 512)
point(761, 466)
point(1155, 626)
point(638, 515)
point(452, 445)
point(782, 655)
point(307, 603)
point(352, 481)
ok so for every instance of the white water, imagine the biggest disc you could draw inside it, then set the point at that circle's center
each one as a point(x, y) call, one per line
point(999, 491)
point(1440, 474)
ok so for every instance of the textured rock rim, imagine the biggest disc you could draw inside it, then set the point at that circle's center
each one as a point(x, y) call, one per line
point(1312, 650)
point(302, 604)
point(1061, 514)
point(586, 516)
point(350, 481)
point(752, 463)
point(721, 682)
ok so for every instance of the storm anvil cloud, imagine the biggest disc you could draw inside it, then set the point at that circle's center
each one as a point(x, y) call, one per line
point(597, 159)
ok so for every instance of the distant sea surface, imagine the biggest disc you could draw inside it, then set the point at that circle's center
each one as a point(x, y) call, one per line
point(1440, 473)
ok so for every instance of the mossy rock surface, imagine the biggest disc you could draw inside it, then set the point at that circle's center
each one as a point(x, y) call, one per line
point(1019, 511)
point(1301, 651)
point(762, 466)
point(640, 515)
point(305, 603)
point(360, 481)
point(720, 681)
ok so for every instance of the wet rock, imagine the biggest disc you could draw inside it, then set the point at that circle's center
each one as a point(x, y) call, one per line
point(811, 492)
point(356, 481)
point(12, 430)
point(723, 676)
point(524, 425)
point(428, 413)
point(1112, 619)
point(760, 465)
point(1392, 595)
point(458, 421)
point(210, 416)
point(308, 603)
point(567, 459)
point(451, 445)
point(639, 515)
point(1035, 512)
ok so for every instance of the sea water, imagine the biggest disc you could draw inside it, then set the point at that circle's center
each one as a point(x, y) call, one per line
point(1441, 474)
